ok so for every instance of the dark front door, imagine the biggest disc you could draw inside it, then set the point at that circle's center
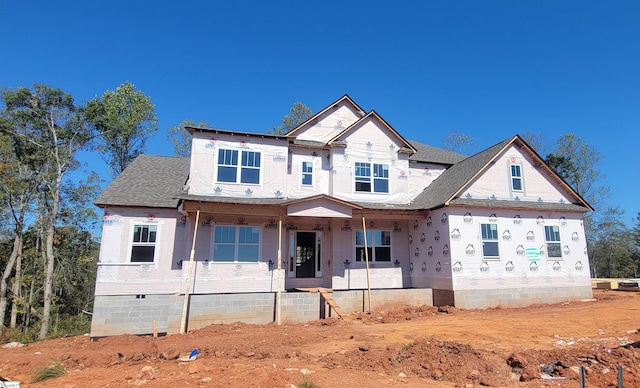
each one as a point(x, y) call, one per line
point(305, 254)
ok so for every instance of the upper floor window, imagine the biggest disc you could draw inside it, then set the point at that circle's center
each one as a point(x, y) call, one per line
point(228, 171)
point(490, 249)
point(143, 244)
point(236, 243)
point(552, 237)
point(379, 182)
point(516, 177)
point(307, 173)
point(378, 245)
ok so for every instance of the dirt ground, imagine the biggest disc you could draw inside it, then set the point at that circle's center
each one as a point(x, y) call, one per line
point(400, 346)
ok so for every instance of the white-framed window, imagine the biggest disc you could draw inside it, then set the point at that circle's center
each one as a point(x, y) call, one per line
point(250, 169)
point(516, 177)
point(248, 172)
point(143, 243)
point(374, 180)
point(490, 245)
point(307, 174)
point(236, 243)
point(378, 245)
point(552, 238)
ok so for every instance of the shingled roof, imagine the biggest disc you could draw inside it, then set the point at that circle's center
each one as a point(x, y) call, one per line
point(429, 154)
point(446, 187)
point(149, 181)
point(455, 177)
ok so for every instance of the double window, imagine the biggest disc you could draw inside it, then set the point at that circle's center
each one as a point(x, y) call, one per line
point(376, 181)
point(516, 177)
point(247, 172)
point(307, 173)
point(143, 244)
point(236, 243)
point(552, 238)
point(378, 245)
point(490, 249)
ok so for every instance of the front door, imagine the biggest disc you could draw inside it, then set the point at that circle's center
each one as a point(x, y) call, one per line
point(304, 254)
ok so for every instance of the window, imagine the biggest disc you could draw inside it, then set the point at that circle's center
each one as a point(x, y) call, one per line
point(307, 173)
point(378, 245)
point(516, 177)
point(380, 177)
point(552, 237)
point(250, 172)
point(228, 166)
point(490, 249)
point(143, 246)
point(236, 243)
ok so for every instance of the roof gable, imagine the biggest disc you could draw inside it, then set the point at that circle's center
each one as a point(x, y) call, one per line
point(456, 178)
point(331, 120)
point(371, 116)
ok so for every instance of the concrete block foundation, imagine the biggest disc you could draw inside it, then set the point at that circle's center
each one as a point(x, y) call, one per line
point(519, 297)
point(135, 314)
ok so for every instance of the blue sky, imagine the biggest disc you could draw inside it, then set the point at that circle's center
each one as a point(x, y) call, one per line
point(488, 69)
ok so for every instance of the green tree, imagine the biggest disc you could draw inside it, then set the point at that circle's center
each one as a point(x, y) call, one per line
point(298, 114)
point(635, 245)
point(56, 132)
point(562, 165)
point(611, 249)
point(124, 119)
point(181, 138)
point(19, 181)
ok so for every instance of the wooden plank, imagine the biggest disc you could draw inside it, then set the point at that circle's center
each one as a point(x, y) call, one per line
point(332, 304)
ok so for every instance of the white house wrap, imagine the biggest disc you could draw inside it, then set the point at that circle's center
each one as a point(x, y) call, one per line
point(496, 228)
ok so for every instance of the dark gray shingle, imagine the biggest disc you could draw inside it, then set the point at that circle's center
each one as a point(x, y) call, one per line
point(455, 177)
point(149, 181)
point(518, 205)
point(427, 153)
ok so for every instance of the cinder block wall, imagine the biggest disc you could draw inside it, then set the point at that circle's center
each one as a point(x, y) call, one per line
point(134, 314)
point(357, 300)
point(519, 297)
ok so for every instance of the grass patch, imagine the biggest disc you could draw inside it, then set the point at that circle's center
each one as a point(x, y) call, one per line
point(48, 372)
point(307, 384)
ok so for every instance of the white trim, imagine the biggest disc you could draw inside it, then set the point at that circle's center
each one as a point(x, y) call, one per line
point(546, 243)
point(370, 244)
point(236, 244)
point(497, 241)
point(156, 245)
point(512, 177)
point(238, 167)
point(372, 178)
point(302, 173)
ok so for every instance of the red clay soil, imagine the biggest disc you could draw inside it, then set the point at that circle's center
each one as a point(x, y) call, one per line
point(399, 346)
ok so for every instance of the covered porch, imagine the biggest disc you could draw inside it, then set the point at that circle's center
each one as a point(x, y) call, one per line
point(313, 242)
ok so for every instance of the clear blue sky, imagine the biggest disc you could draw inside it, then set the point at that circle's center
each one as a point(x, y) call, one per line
point(488, 69)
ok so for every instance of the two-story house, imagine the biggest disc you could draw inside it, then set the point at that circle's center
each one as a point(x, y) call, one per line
point(251, 222)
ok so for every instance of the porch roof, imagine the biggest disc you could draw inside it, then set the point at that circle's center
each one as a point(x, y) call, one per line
point(518, 205)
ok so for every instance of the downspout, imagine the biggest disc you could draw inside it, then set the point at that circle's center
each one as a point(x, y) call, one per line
point(183, 322)
point(366, 260)
point(279, 291)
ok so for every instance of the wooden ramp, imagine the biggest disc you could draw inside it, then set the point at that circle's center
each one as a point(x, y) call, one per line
point(326, 294)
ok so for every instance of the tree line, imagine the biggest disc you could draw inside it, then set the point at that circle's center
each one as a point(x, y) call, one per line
point(48, 256)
